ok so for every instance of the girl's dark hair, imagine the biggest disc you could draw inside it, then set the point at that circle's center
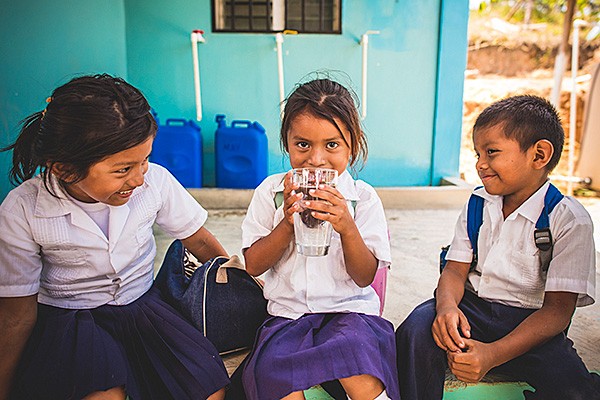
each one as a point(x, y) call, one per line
point(327, 99)
point(526, 119)
point(86, 120)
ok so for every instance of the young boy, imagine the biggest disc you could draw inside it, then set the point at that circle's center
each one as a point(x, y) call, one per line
point(506, 313)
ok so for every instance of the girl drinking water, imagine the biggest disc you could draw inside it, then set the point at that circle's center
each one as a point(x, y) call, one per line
point(324, 322)
point(79, 317)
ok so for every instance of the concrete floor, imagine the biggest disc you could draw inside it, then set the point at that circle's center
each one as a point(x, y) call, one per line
point(416, 237)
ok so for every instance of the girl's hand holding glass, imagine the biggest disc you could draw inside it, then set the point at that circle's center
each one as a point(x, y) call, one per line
point(291, 198)
point(332, 207)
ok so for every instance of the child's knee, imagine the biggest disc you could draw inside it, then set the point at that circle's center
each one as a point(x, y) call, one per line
point(416, 326)
point(362, 386)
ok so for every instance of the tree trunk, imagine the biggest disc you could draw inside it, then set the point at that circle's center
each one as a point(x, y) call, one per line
point(561, 57)
point(528, 10)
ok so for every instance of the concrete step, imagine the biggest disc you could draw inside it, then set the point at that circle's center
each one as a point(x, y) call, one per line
point(453, 193)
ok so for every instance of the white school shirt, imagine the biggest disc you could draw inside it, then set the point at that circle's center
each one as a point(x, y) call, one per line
point(50, 246)
point(297, 284)
point(98, 212)
point(509, 269)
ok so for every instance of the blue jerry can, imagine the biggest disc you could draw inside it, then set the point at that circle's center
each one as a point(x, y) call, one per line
point(178, 147)
point(241, 153)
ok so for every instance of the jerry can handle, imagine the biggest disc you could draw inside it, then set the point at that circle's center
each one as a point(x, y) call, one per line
point(246, 124)
point(176, 121)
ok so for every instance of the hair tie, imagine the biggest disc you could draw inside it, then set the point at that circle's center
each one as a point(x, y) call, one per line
point(48, 100)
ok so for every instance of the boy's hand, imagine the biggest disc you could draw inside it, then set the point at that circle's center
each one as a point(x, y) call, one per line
point(332, 207)
point(445, 329)
point(290, 198)
point(472, 364)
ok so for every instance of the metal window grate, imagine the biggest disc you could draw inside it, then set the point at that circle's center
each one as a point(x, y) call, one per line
point(313, 16)
point(247, 15)
point(304, 16)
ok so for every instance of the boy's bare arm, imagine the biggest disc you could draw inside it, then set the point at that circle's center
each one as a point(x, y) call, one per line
point(204, 246)
point(538, 328)
point(17, 319)
point(450, 324)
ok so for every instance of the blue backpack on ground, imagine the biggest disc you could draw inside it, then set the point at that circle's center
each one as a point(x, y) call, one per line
point(542, 235)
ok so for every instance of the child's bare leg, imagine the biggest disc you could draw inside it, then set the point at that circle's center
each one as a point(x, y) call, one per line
point(294, 396)
point(218, 395)
point(116, 393)
point(362, 387)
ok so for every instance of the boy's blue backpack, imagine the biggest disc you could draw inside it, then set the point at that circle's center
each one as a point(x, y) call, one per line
point(542, 236)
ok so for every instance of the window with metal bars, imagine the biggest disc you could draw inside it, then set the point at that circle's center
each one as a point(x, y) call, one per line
point(303, 16)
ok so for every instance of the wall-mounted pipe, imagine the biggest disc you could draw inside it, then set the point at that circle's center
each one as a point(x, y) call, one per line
point(364, 42)
point(197, 37)
point(279, 48)
point(279, 42)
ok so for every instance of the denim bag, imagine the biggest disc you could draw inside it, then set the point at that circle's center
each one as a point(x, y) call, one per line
point(218, 297)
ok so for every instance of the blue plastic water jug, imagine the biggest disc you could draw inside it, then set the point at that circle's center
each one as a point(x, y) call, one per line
point(241, 153)
point(178, 147)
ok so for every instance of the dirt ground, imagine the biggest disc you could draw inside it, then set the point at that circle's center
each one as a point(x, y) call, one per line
point(502, 64)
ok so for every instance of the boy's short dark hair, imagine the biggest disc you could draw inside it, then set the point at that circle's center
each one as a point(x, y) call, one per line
point(526, 119)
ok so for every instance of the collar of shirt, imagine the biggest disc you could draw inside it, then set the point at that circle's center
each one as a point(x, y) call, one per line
point(530, 209)
point(345, 185)
point(46, 204)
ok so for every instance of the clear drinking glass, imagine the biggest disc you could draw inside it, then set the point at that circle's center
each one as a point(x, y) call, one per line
point(313, 236)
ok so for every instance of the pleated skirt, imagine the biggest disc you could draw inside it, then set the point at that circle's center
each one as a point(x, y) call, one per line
point(294, 355)
point(146, 346)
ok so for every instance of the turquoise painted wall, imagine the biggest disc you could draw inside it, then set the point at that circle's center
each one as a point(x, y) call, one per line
point(46, 43)
point(239, 76)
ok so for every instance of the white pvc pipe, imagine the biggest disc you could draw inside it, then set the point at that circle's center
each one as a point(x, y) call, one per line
point(559, 65)
point(574, 179)
point(364, 42)
point(279, 42)
point(573, 106)
point(196, 38)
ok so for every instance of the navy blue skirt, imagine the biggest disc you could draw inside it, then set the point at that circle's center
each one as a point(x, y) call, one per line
point(146, 346)
point(294, 355)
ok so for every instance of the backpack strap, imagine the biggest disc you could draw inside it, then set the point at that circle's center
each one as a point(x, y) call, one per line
point(542, 235)
point(278, 199)
point(474, 221)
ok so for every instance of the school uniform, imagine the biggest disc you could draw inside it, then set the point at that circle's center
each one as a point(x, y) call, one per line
point(322, 326)
point(100, 322)
point(506, 287)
